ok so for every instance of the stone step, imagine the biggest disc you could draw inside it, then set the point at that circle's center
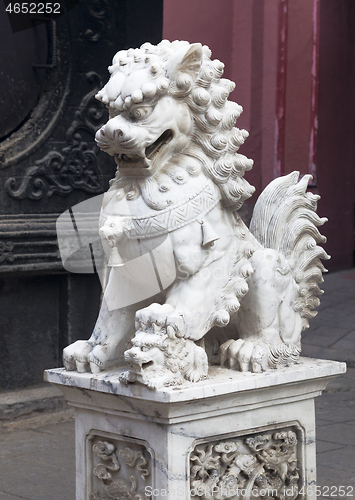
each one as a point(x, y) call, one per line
point(26, 403)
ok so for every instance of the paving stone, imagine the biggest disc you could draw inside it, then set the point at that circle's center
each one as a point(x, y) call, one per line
point(323, 446)
point(37, 481)
point(321, 422)
point(337, 407)
point(18, 404)
point(318, 338)
point(341, 460)
point(340, 433)
point(39, 465)
point(331, 478)
point(325, 335)
point(346, 345)
point(7, 496)
point(314, 351)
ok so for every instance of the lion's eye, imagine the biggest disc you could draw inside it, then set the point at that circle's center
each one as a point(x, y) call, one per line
point(112, 112)
point(141, 113)
point(144, 348)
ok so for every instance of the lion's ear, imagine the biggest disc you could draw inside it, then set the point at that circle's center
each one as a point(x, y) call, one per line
point(186, 60)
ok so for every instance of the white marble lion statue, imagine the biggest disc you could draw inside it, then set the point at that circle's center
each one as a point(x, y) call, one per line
point(245, 292)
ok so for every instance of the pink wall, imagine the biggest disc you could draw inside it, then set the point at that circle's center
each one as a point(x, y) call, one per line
point(242, 34)
point(298, 86)
point(270, 49)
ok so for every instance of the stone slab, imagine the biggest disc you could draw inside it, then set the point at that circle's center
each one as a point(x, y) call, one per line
point(220, 381)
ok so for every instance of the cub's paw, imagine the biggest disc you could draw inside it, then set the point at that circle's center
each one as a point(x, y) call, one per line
point(127, 378)
point(245, 355)
point(162, 319)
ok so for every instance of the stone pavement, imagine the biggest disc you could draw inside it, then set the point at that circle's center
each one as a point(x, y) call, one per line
point(37, 453)
point(332, 336)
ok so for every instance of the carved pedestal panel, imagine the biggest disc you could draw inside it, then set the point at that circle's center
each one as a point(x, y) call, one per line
point(120, 468)
point(232, 436)
point(257, 465)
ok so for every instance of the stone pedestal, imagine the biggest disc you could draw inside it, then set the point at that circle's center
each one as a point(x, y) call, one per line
point(232, 436)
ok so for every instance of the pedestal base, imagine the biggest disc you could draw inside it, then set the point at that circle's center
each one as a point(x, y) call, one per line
point(233, 436)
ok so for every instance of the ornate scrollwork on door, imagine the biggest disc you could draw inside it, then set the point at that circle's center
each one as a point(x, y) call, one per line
point(75, 167)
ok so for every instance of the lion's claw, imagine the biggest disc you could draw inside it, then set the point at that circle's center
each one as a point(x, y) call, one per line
point(246, 355)
point(162, 319)
point(75, 356)
point(84, 357)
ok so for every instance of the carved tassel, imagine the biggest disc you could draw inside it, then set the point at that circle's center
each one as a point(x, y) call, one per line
point(115, 259)
point(209, 236)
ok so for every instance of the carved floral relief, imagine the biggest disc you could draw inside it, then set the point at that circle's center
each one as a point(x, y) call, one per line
point(264, 465)
point(121, 470)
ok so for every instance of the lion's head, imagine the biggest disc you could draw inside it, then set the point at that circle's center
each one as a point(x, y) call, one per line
point(168, 107)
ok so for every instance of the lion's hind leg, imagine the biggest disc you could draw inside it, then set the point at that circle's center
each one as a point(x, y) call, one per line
point(268, 326)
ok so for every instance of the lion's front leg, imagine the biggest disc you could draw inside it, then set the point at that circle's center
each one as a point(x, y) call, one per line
point(105, 348)
point(106, 345)
point(198, 299)
point(193, 305)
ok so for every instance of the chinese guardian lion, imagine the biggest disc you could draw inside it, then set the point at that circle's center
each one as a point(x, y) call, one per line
point(242, 296)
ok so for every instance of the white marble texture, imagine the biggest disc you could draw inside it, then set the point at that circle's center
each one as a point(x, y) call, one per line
point(164, 433)
point(172, 234)
point(220, 381)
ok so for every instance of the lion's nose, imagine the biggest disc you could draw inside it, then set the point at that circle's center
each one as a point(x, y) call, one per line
point(113, 130)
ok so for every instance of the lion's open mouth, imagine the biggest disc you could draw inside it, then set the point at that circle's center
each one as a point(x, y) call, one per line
point(128, 161)
point(138, 367)
point(162, 140)
point(146, 365)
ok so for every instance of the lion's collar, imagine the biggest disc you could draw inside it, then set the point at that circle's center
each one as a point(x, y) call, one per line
point(174, 217)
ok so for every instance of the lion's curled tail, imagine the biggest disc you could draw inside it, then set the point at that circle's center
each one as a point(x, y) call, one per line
point(285, 219)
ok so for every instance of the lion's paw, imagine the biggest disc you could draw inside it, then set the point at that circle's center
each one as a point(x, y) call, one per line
point(83, 356)
point(246, 355)
point(161, 319)
point(75, 356)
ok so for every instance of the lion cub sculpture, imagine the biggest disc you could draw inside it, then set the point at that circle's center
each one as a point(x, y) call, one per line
point(171, 131)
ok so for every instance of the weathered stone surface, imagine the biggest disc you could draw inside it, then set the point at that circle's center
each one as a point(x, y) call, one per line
point(234, 430)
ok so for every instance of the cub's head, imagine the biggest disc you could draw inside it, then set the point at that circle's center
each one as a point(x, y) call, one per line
point(147, 355)
point(167, 102)
point(157, 360)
